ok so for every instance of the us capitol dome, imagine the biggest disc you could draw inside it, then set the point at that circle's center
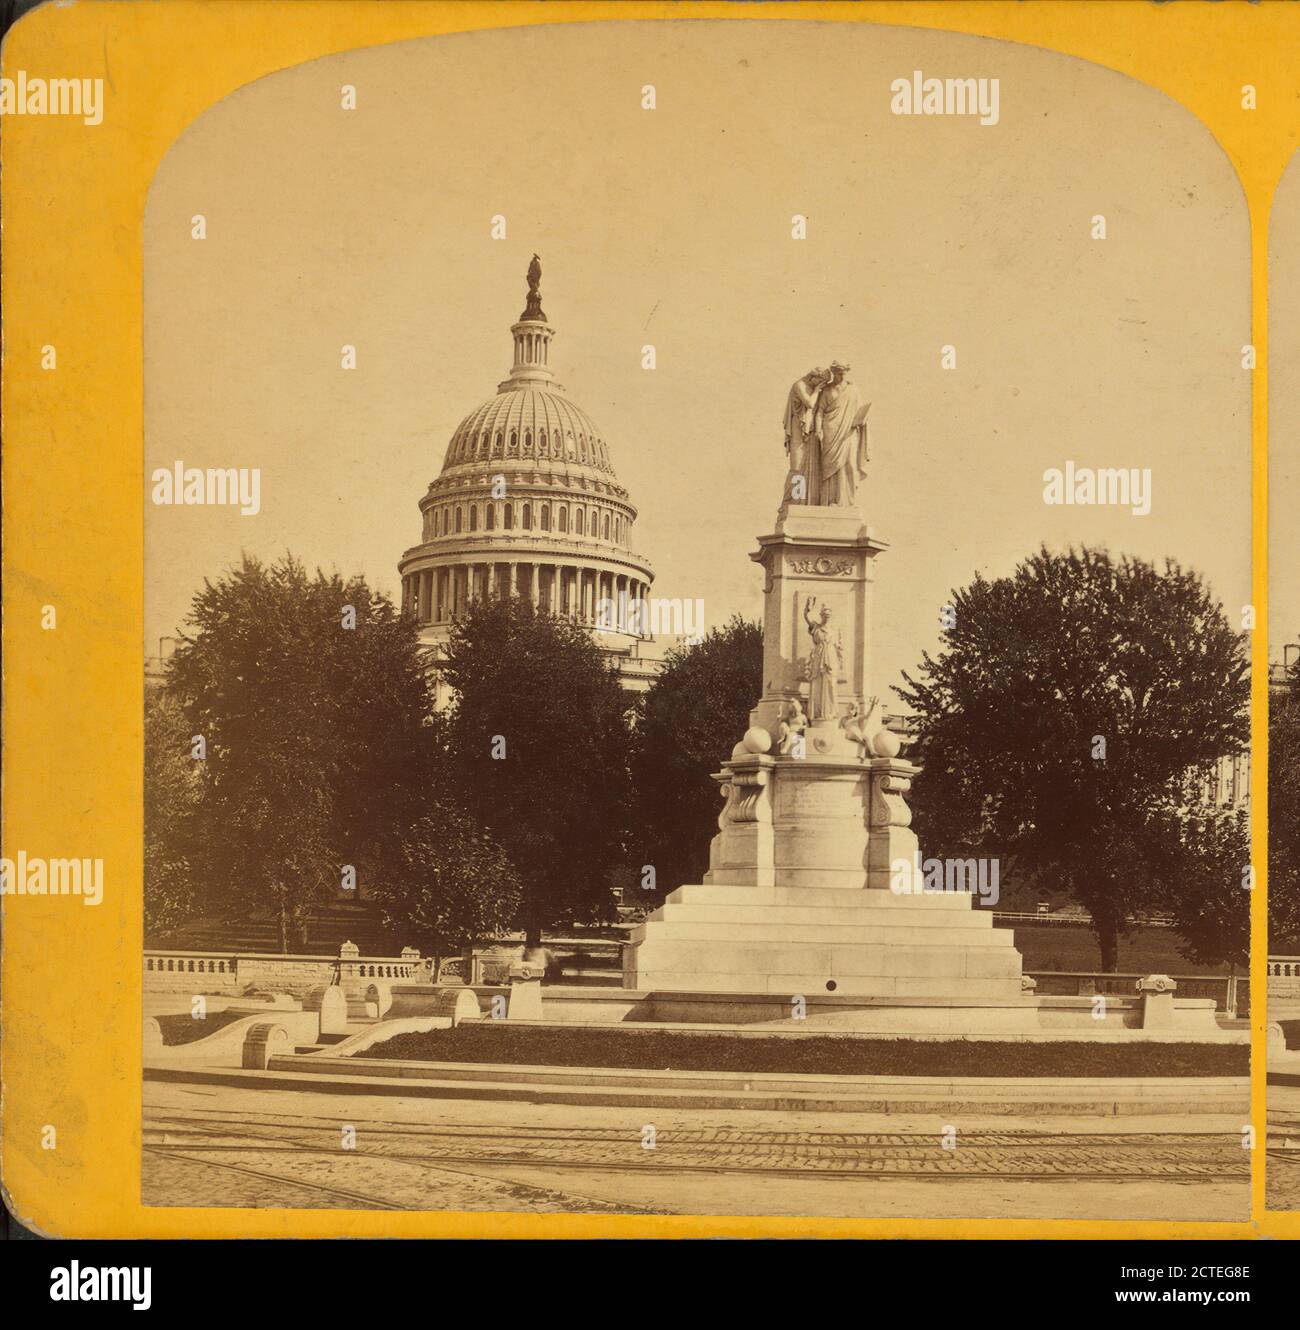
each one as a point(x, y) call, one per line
point(528, 504)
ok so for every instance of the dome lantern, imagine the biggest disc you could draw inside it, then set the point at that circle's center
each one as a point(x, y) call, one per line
point(532, 336)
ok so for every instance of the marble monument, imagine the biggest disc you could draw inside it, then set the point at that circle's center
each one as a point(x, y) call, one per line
point(813, 904)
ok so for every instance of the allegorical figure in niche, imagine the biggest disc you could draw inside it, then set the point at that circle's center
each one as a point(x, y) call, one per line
point(793, 724)
point(840, 440)
point(824, 663)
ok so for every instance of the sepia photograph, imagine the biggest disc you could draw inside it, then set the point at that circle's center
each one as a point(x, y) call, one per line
point(697, 635)
point(636, 623)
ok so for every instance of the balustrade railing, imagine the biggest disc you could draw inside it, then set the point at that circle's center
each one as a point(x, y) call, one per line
point(207, 971)
point(1231, 993)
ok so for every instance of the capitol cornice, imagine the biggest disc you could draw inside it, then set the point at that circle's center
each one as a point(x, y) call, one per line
point(458, 550)
point(474, 478)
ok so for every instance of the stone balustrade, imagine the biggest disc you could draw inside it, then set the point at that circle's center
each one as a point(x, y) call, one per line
point(1231, 993)
point(236, 972)
point(190, 972)
point(1284, 981)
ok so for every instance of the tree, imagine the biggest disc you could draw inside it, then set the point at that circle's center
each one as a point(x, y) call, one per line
point(1206, 881)
point(535, 744)
point(309, 695)
point(173, 893)
point(689, 721)
point(1284, 816)
point(1061, 717)
point(451, 885)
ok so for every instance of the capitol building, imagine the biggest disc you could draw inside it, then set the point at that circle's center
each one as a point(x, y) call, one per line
point(528, 504)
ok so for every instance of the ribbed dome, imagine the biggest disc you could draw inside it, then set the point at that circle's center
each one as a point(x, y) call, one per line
point(529, 422)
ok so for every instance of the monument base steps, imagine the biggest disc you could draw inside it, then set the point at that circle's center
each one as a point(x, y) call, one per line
point(802, 941)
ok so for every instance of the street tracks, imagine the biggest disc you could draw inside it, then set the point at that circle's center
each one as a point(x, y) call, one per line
point(441, 1166)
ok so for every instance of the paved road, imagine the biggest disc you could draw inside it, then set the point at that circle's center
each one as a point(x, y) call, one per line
point(223, 1146)
point(1283, 1167)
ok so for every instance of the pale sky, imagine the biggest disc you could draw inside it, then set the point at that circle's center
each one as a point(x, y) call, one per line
point(1284, 414)
point(370, 227)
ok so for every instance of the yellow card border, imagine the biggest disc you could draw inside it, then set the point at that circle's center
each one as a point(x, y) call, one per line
point(71, 253)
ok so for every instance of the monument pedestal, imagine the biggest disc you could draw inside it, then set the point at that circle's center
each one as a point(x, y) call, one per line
point(828, 555)
point(812, 885)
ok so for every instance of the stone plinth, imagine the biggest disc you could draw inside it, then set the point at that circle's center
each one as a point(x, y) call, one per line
point(831, 820)
point(799, 941)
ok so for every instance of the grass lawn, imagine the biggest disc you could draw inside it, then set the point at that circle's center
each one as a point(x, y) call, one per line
point(182, 1028)
point(671, 1050)
point(1146, 950)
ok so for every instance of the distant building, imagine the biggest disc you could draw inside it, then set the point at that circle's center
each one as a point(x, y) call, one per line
point(1281, 671)
point(528, 504)
point(155, 666)
point(1223, 784)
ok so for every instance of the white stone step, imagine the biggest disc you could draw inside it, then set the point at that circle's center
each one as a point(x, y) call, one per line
point(690, 928)
point(825, 959)
point(792, 984)
point(823, 916)
point(860, 897)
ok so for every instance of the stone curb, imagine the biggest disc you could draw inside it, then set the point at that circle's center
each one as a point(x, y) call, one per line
point(1182, 1097)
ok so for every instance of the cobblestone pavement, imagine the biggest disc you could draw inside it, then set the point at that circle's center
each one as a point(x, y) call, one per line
point(1282, 1176)
point(325, 1152)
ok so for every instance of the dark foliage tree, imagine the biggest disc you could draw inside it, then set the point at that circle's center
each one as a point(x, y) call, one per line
point(1284, 816)
point(1206, 881)
point(536, 745)
point(311, 696)
point(1062, 716)
point(173, 892)
point(688, 722)
point(450, 886)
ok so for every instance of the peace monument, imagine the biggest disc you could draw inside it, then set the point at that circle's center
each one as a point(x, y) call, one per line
point(813, 898)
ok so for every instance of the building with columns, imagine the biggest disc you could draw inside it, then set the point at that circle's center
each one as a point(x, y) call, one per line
point(528, 504)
